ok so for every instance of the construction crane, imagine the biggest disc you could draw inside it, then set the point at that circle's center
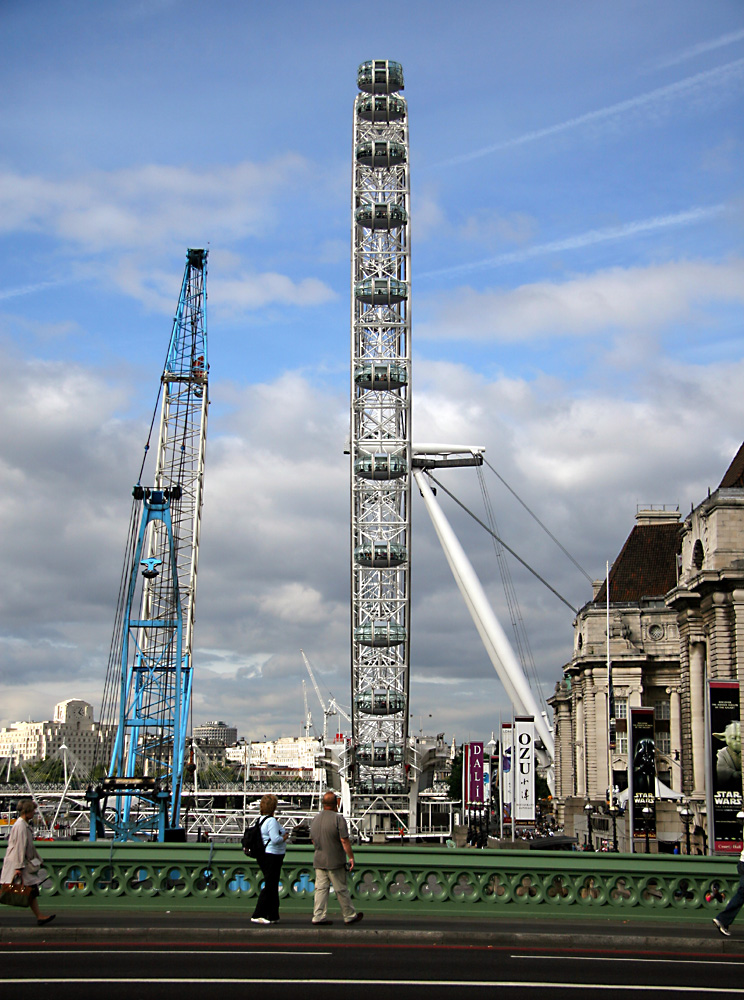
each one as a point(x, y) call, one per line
point(149, 678)
point(331, 708)
point(308, 726)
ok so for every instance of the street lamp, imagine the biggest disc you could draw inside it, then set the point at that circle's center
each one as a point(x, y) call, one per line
point(686, 817)
point(646, 824)
point(614, 810)
point(589, 809)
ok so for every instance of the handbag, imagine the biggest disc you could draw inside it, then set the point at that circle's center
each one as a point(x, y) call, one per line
point(15, 893)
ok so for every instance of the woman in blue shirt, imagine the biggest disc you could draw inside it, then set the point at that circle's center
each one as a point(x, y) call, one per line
point(274, 838)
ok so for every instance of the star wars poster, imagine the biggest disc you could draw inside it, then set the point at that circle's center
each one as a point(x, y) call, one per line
point(642, 773)
point(725, 765)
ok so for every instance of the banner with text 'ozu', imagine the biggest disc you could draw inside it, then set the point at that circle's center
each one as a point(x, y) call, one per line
point(524, 770)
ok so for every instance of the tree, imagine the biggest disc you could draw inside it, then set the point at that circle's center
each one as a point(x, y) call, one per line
point(455, 778)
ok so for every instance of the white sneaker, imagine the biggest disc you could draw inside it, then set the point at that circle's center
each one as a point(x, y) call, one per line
point(724, 930)
point(260, 920)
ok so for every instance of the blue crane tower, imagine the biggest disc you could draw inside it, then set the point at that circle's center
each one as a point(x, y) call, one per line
point(149, 678)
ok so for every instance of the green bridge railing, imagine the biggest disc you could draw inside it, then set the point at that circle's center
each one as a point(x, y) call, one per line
point(392, 877)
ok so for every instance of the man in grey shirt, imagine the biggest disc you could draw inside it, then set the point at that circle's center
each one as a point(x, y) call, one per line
point(330, 836)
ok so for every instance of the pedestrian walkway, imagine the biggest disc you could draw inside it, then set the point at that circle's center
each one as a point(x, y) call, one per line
point(152, 926)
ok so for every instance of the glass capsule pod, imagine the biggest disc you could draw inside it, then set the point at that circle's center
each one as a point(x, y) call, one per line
point(381, 153)
point(381, 466)
point(381, 291)
point(381, 375)
point(380, 701)
point(380, 76)
point(382, 109)
point(381, 215)
point(379, 754)
point(380, 633)
point(380, 555)
point(381, 787)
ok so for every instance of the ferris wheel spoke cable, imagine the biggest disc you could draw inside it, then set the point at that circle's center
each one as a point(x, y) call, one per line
point(534, 516)
point(524, 650)
point(502, 542)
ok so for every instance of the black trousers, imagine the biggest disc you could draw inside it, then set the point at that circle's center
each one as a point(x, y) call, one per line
point(267, 904)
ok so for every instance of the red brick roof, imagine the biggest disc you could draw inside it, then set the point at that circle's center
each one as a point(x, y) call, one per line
point(735, 473)
point(646, 566)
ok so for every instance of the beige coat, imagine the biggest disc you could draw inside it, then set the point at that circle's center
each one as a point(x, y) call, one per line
point(22, 853)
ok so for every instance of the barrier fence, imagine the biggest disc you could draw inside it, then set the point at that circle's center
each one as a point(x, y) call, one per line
point(195, 875)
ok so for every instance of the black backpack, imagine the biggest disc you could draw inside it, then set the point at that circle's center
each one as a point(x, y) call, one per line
point(252, 842)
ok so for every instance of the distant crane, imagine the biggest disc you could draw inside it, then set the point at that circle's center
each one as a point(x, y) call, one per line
point(149, 678)
point(331, 709)
point(308, 726)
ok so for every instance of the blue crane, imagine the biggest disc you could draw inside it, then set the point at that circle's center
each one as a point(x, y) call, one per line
point(147, 694)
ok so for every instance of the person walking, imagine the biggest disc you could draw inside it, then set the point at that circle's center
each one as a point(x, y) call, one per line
point(22, 859)
point(726, 917)
point(274, 837)
point(330, 836)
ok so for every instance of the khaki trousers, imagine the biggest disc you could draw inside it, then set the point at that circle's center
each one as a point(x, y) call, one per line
point(324, 879)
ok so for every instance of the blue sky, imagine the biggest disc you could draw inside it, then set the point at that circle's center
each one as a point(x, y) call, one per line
point(577, 300)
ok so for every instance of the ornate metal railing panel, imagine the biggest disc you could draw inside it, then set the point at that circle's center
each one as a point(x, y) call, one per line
point(196, 874)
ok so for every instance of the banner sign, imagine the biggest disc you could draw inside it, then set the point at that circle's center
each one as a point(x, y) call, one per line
point(642, 772)
point(473, 770)
point(505, 757)
point(524, 770)
point(725, 765)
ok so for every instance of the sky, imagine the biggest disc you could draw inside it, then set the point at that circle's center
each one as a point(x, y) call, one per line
point(577, 291)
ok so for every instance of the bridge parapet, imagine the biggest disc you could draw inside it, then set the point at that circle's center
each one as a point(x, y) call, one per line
point(194, 875)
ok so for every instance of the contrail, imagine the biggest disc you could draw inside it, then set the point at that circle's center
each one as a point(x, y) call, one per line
point(700, 49)
point(586, 239)
point(12, 293)
point(707, 78)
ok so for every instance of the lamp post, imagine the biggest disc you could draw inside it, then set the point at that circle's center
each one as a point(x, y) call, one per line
point(646, 823)
point(614, 810)
point(491, 746)
point(589, 809)
point(686, 817)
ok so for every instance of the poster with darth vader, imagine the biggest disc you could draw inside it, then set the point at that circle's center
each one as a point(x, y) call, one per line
point(642, 773)
point(724, 762)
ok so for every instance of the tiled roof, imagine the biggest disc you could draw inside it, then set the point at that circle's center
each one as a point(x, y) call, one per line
point(735, 473)
point(646, 566)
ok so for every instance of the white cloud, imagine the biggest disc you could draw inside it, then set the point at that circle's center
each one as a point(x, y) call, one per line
point(273, 570)
point(618, 299)
point(150, 205)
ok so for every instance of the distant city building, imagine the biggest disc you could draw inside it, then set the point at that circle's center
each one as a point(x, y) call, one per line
point(72, 726)
point(293, 756)
point(218, 733)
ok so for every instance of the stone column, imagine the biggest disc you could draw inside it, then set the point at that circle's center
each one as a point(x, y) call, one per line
point(601, 714)
point(697, 715)
point(675, 736)
point(580, 745)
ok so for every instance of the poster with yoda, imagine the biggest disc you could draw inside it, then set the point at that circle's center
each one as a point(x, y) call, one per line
point(725, 765)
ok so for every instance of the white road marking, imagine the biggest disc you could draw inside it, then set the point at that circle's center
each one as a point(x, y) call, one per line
point(458, 984)
point(599, 958)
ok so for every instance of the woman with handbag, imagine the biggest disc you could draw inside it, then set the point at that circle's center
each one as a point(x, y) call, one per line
point(22, 864)
point(274, 838)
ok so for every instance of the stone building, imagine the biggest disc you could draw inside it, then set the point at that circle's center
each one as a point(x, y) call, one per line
point(72, 726)
point(676, 620)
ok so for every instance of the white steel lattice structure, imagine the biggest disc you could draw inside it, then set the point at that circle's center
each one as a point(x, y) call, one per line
point(380, 431)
